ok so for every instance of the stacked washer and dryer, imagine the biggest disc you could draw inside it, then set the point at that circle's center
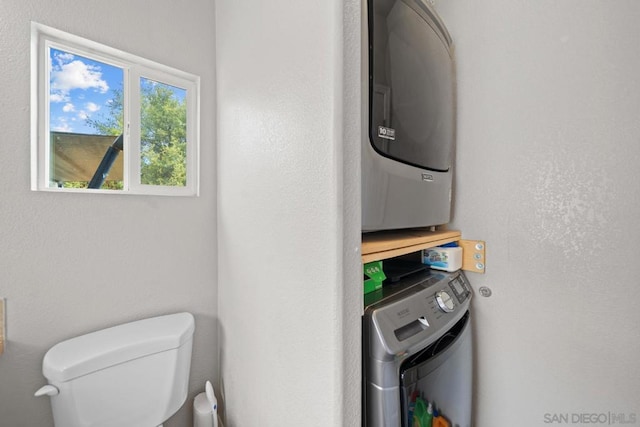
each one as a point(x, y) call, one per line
point(417, 332)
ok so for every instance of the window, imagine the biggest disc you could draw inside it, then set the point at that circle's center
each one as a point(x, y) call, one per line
point(110, 122)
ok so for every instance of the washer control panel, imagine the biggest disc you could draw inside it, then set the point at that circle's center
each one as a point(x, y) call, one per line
point(460, 288)
point(415, 312)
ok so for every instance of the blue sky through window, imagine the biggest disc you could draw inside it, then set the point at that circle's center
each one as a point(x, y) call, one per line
point(80, 88)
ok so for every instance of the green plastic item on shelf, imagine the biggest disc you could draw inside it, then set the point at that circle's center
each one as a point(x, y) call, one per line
point(374, 276)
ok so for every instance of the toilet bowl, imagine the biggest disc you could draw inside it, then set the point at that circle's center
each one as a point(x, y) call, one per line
point(135, 374)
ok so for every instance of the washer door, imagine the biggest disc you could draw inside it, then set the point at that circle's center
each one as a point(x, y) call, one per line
point(443, 375)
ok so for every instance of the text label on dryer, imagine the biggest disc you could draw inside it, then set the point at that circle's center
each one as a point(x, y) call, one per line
point(387, 133)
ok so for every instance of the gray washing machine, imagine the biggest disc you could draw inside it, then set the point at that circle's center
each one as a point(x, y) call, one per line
point(417, 341)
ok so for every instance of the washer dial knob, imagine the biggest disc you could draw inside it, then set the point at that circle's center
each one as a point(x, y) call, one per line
point(445, 302)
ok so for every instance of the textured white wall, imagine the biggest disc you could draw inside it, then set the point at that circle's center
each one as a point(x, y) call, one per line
point(548, 173)
point(73, 263)
point(288, 137)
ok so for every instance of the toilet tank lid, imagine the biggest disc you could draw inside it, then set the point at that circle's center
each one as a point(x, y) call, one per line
point(108, 347)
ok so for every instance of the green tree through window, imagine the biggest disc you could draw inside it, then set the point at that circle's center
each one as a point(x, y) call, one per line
point(163, 134)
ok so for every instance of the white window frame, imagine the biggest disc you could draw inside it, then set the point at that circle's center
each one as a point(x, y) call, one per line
point(134, 67)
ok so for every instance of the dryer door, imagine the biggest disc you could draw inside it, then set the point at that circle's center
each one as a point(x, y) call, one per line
point(411, 91)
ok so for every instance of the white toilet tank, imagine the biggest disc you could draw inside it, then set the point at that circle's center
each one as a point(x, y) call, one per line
point(133, 375)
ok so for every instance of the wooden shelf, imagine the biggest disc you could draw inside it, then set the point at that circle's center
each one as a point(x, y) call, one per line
point(388, 244)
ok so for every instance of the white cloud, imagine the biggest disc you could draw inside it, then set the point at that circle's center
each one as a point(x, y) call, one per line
point(58, 97)
point(83, 115)
point(92, 107)
point(68, 107)
point(62, 125)
point(63, 57)
point(76, 75)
